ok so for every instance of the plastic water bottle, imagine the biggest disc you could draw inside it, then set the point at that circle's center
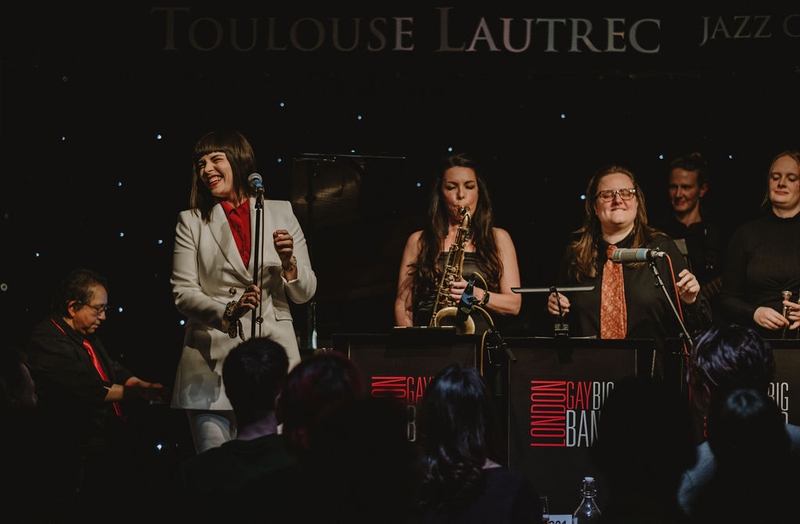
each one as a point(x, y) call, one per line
point(587, 512)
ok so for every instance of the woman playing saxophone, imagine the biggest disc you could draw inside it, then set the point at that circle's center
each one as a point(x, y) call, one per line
point(439, 259)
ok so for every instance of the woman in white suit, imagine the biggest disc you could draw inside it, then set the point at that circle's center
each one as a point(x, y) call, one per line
point(216, 286)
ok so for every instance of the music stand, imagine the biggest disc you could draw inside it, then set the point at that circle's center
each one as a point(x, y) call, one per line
point(561, 328)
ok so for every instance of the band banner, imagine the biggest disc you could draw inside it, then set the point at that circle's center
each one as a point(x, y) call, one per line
point(556, 390)
point(402, 363)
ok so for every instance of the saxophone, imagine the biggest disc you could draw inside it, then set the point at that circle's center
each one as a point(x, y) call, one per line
point(445, 310)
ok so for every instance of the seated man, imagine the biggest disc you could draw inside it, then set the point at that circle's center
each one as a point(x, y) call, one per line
point(84, 400)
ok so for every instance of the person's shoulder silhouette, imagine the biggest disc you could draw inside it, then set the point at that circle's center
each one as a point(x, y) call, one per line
point(645, 441)
point(754, 479)
point(360, 464)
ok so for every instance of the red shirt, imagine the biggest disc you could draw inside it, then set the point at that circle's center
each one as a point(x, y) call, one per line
point(239, 220)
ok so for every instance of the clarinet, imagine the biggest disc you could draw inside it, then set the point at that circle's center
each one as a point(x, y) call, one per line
point(786, 296)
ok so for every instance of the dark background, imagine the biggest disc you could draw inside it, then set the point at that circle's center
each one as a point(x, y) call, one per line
point(97, 121)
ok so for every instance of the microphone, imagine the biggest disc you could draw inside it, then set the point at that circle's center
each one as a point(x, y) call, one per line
point(636, 255)
point(466, 303)
point(256, 182)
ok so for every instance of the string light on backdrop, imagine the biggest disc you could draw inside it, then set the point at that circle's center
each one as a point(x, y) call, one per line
point(547, 119)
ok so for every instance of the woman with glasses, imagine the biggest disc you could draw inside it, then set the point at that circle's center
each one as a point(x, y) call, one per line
point(616, 216)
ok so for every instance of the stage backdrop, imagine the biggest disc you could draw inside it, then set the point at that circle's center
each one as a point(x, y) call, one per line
point(347, 107)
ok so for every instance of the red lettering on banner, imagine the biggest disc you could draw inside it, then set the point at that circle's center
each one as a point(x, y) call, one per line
point(539, 420)
point(422, 383)
point(564, 413)
point(547, 413)
point(393, 387)
point(547, 391)
point(578, 394)
point(410, 389)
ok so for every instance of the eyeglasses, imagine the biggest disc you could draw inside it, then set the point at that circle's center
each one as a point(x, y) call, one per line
point(609, 194)
point(98, 310)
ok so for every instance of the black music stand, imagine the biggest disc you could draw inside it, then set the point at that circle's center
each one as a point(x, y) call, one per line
point(561, 328)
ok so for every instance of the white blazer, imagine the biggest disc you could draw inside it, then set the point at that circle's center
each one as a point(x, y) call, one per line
point(208, 272)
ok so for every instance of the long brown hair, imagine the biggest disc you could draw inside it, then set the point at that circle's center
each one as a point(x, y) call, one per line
point(241, 158)
point(426, 269)
point(585, 246)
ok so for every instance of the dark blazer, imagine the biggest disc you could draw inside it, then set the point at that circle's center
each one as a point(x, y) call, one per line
point(70, 390)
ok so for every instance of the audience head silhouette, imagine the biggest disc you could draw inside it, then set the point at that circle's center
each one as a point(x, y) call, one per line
point(746, 429)
point(360, 464)
point(459, 480)
point(458, 427)
point(728, 357)
point(754, 480)
point(251, 473)
point(314, 387)
point(253, 374)
point(458, 419)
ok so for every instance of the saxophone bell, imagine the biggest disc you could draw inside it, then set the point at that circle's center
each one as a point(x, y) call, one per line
point(449, 317)
point(459, 316)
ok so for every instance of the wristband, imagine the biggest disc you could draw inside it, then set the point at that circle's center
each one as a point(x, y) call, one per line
point(234, 324)
point(292, 266)
point(485, 298)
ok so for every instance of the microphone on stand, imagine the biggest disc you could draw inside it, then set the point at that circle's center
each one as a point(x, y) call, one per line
point(256, 181)
point(467, 301)
point(621, 255)
point(258, 184)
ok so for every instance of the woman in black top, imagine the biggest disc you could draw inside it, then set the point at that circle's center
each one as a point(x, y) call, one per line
point(489, 250)
point(763, 258)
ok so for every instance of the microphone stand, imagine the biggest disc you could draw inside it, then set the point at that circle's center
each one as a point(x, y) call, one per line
point(493, 334)
point(685, 333)
point(500, 380)
point(257, 251)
